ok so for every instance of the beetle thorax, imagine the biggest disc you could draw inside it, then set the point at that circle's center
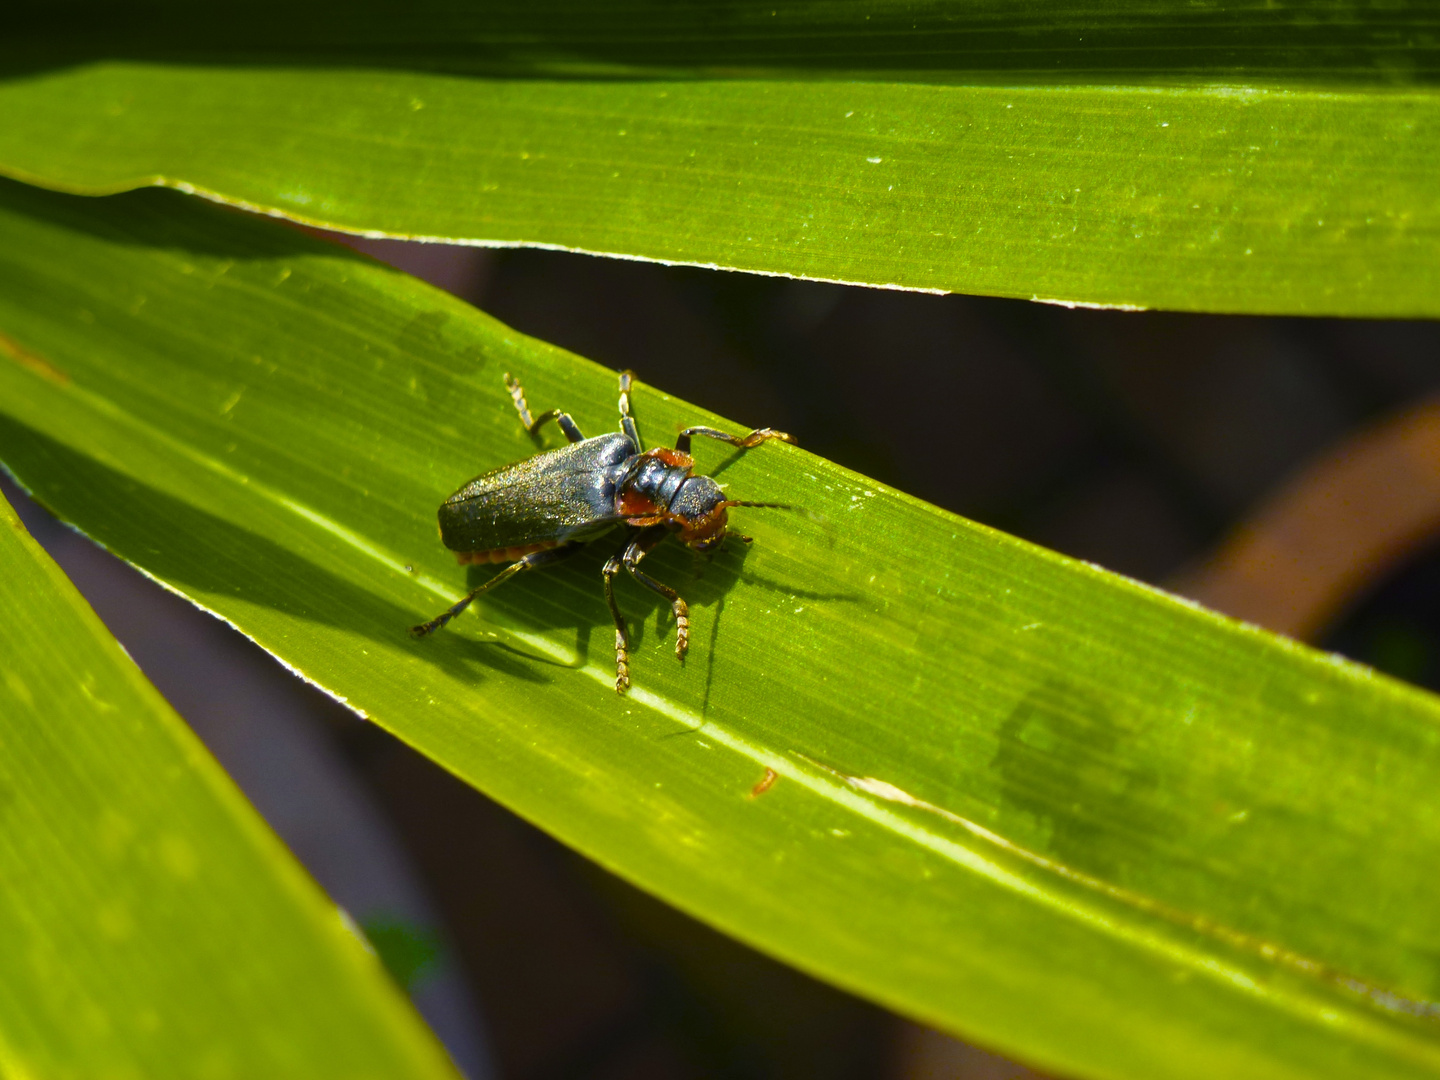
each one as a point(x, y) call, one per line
point(659, 489)
point(651, 483)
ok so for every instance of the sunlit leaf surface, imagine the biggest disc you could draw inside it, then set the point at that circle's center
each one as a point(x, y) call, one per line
point(1245, 158)
point(1030, 801)
point(152, 926)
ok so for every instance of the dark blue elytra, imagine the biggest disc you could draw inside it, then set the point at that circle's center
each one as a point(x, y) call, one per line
point(539, 510)
point(556, 496)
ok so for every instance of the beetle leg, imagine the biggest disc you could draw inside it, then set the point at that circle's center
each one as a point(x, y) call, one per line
point(627, 422)
point(638, 549)
point(755, 438)
point(529, 562)
point(622, 638)
point(517, 395)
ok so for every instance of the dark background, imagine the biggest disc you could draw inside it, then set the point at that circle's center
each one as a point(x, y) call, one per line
point(1138, 441)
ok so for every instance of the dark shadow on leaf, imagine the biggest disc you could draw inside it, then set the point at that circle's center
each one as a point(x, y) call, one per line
point(571, 595)
point(984, 41)
point(791, 591)
point(1065, 756)
point(170, 221)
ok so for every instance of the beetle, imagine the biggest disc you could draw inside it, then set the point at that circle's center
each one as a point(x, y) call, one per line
point(540, 510)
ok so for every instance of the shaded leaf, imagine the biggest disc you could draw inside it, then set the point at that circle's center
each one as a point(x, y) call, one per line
point(1256, 158)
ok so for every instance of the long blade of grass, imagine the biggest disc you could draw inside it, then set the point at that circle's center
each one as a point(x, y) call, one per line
point(1241, 159)
point(152, 924)
point(1011, 794)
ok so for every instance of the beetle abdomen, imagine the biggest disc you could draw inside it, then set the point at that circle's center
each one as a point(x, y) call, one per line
point(508, 554)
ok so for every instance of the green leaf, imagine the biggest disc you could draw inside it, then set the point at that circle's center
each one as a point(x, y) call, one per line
point(1260, 158)
point(1033, 802)
point(153, 926)
point(1044, 41)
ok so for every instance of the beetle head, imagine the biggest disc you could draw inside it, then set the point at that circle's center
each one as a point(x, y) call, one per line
point(700, 509)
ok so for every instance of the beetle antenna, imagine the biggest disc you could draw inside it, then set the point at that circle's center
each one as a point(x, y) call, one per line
point(761, 505)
